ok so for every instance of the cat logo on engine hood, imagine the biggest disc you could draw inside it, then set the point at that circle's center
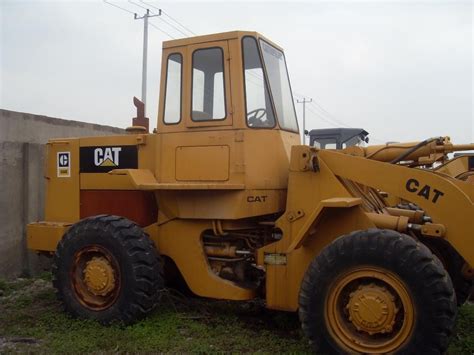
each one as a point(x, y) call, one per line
point(102, 159)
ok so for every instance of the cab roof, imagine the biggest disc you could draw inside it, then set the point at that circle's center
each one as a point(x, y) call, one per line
point(223, 36)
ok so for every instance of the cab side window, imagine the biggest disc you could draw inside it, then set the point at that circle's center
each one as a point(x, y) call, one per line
point(208, 90)
point(257, 100)
point(172, 112)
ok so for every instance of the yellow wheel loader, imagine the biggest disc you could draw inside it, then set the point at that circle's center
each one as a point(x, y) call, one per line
point(461, 167)
point(223, 197)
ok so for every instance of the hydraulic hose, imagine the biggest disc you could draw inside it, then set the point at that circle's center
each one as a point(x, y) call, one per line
point(414, 149)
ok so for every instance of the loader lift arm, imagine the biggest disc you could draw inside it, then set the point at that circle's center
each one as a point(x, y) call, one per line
point(434, 193)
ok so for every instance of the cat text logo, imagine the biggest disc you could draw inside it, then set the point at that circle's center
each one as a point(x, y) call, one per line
point(107, 156)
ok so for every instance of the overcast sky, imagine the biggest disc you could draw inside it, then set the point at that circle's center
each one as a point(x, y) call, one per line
point(402, 70)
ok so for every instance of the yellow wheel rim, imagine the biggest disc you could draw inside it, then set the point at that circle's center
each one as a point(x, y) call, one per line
point(95, 277)
point(99, 276)
point(369, 310)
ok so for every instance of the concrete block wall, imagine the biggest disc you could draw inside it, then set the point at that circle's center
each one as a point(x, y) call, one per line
point(22, 153)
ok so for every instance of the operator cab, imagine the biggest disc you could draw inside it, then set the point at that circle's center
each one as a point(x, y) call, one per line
point(338, 138)
point(227, 80)
point(226, 115)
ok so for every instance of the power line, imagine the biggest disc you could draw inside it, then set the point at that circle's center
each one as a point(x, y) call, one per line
point(179, 23)
point(173, 26)
point(324, 112)
point(160, 12)
point(119, 7)
point(134, 3)
point(342, 123)
point(334, 124)
point(329, 114)
point(147, 3)
point(155, 14)
point(317, 115)
point(161, 30)
point(324, 116)
point(171, 18)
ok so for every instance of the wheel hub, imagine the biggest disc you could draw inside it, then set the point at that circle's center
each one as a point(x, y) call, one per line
point(369, 310)
point(99, 276)
point(372, 309)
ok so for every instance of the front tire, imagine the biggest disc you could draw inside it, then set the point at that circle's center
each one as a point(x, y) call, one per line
point(377, 291)
point(106, 268)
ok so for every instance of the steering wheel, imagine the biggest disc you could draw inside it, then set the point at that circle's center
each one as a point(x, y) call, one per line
point(254, 117)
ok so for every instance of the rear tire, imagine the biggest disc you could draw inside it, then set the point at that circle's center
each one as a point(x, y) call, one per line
point(377, 291)
point(106, 268)
point(453, 263)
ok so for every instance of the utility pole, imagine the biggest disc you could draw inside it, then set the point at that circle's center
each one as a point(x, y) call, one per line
point(304, 102)
point(145, 50)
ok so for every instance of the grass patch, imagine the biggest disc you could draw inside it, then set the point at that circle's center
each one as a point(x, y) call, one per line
point(463, 339)
point(32, 320)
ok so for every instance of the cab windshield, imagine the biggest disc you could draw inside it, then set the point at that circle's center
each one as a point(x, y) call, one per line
point(275, 65)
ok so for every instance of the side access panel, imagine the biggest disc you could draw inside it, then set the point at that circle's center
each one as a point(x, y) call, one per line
point(62, 181)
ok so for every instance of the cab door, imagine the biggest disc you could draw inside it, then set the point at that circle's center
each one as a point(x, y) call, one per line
point(202, 144)
point(210, 87)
